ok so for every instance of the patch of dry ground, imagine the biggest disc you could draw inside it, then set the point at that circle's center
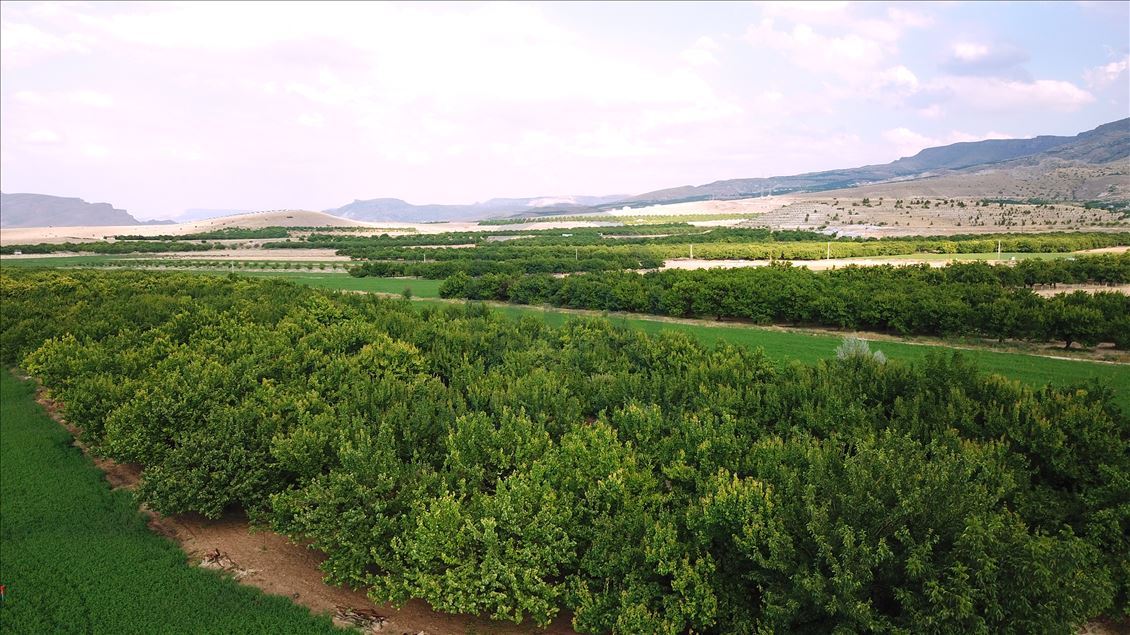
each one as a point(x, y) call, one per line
point(289, 255)
point(271, 562)
point(1050, 290)
point(1052, 180)
point(923, 216)
point(815, 265)
point(755, 205)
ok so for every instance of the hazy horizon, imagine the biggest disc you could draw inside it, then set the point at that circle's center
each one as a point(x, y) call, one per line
point(160, 108)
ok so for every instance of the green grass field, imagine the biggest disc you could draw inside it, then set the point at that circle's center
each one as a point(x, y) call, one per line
point(1032, 369)
point(76, 557)
point(807, 347)
point(344, 282)
point(986, 256)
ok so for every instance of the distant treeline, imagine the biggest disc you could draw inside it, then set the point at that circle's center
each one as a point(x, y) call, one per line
point(555, 254)
point(508, 266)
point(103, 247)
point(633, 243)
point(760, 239)
point(226, 233)
point(960, 299)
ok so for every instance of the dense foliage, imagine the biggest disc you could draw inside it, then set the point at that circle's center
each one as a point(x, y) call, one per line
point(963, 298)
point(646, 483)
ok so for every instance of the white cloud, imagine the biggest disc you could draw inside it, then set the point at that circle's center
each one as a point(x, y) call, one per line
point(899, 77)
point(92, 98)
point(21, 43)
point(847, 55)
point(817, 12)
point(184, 153)
point(991, 94)
point(1107, 74)
point(908, 18)
point(43, 136)
point(997, 60)
point(853, 55)
point(933, 111)
point(496, 97)
point(30, 97)
point(311, 120)
point(907, 142)
point(701, 53)
point(970, 51)
point(95, 151)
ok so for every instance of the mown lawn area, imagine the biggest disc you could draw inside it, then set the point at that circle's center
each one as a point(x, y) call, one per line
point(78, 557)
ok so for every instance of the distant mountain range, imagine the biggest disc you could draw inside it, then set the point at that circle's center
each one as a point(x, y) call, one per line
point(41, 210)
point(394, 209)
point(1107, 143)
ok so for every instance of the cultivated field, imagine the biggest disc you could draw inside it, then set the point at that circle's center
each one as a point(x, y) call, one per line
point(78, 557)
point(445, 453)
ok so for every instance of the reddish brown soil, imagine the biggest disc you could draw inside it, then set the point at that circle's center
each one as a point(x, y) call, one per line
point(271, 562)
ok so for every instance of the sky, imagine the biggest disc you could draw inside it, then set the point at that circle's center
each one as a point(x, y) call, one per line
point(158, 108)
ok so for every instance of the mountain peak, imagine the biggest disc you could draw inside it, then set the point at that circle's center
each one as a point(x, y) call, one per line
point(42, 210)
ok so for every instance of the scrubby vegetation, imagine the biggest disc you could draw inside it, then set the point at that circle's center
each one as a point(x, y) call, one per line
point(646, 483)
point(963, 298)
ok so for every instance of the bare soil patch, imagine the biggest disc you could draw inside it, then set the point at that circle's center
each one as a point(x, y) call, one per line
point(292, 255)
point(1048, 290)
point(1106, 250)
point(815, 265)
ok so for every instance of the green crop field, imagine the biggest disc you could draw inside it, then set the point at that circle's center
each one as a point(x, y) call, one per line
point(988, 256)
point(60, 261)
point(78, 557)
point(345, 282)
point(1034, 370)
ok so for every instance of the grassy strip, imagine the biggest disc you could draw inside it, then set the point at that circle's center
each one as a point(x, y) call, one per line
point(1033, 370)
point(77, 557)
point(344, 282)
point(989, 256)
point(60, 261)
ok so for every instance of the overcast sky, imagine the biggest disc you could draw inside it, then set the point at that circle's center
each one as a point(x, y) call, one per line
point(157, 108)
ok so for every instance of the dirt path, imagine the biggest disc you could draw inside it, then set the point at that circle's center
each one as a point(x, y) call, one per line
point(271, 562)
point(1049, 291)
point(1106, 250)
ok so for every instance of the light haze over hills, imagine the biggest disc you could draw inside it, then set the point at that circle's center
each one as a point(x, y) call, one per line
point(1105, 144)
point(163, 107)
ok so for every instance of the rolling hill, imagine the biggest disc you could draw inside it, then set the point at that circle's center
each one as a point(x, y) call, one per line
point(1106, 143)
point(41, 210)
point(394, 209)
